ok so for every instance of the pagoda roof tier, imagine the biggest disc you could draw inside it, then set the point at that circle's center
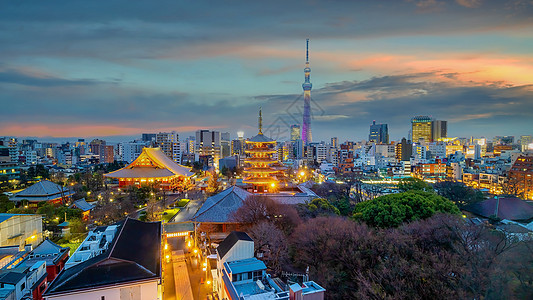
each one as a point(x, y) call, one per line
point(260, 180)
point(261, 170)
point(151, 163)
point(260, 150)
point(260, 138)
point(253, 160)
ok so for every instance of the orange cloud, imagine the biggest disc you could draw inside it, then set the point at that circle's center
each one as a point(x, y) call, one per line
point(471, 68)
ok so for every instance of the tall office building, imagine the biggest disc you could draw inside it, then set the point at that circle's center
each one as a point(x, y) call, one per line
point(208, 144)
point(334, 142)
point(295, 133)
point(169, 144)
point(422, 128)
point(379, 133)
point(404, 150)
point(107, 155)
point(439, 130)
point(525, 140)
point(148, 137)
point(225, 144)
point(96, 145)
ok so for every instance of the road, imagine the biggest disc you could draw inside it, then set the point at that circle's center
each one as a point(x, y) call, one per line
point(186, 213)
point(184, 277)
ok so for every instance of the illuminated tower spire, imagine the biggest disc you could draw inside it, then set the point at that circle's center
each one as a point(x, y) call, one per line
point(306, 128)
point(260, 122)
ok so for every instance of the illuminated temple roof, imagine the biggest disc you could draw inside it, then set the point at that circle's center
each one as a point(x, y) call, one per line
point(260, 138)
point(151, 163)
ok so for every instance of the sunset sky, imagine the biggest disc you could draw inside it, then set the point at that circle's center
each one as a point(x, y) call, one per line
point(119, 68)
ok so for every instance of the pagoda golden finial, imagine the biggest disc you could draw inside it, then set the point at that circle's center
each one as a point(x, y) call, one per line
point(260, 121)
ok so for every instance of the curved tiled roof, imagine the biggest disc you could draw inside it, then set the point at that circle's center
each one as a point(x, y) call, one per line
point(505, 208)
point(260, 138)
point(82, 204)
point(43, 190)
point(151, 163)
point(218, 208)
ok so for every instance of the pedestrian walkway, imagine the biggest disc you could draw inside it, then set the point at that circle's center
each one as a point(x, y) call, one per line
point(181, 276)
point(186, 213)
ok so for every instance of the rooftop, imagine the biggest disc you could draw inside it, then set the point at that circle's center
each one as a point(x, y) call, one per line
point(43, 190)
point(245, 265)
point(231, 240)
point(133, 254)
point(218, 208)
point(151, 163)
point(82, 204)
point(261, 138)
point(47, 251)
point(5, 217)
point(505, 208)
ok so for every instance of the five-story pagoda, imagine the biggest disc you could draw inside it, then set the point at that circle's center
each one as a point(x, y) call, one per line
point(258, 173)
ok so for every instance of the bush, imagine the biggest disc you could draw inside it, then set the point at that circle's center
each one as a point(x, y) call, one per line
point(395, 209)
point(182, 202)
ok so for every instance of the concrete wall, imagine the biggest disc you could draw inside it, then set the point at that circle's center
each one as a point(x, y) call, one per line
point(21, 229)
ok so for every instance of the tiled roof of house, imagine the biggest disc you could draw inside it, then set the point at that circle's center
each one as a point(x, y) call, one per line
point(43, 190)
point(82, 204)
point(505, 208)
point(135, 254)
point(218, 208)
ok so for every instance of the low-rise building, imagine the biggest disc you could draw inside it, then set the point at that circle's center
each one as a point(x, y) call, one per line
point(23, 282)
point(43, 191)
point(102, 268)
point(20, 229)
point(241, 276)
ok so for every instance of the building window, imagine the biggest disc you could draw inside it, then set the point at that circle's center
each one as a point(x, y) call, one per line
point(102, 298)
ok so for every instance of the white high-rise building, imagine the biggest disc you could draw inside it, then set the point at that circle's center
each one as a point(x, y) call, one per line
point(128, 152)
point(169, 144)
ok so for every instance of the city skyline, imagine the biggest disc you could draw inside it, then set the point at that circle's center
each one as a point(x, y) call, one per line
point(79, 69)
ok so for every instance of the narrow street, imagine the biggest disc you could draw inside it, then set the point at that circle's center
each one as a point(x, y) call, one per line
point(183, 274)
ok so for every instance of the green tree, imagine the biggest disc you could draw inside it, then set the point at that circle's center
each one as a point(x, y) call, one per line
point(213, 185)
point(41, 171)
point(414, 184)
point(5, 204)
point(322, 207)
point(344, 206)
point(394, 209)
point(47, 210)
point(76, 225)
point(457, 192)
